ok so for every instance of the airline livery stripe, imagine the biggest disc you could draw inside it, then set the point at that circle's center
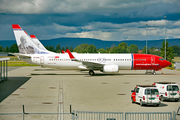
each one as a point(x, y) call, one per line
point(32, 36)
point(15, 26)
point(132, 62)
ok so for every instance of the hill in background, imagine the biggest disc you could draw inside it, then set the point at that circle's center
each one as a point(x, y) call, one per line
point(73, 42)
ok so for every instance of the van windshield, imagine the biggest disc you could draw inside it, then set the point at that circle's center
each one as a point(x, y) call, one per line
point(172, 88)
point(151, 92)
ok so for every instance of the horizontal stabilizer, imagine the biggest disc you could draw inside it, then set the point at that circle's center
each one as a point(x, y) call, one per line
point(21, 55)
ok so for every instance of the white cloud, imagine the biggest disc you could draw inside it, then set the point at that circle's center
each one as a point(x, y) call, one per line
point(126, 8)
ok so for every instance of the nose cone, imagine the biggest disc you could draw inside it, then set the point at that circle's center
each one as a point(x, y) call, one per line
point(167, 63)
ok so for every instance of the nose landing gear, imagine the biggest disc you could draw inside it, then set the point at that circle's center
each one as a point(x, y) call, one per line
point(151, 72)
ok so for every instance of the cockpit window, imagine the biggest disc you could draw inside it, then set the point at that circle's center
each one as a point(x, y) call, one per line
point(161, 59)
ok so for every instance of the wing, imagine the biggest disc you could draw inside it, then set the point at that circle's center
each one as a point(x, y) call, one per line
point(89, 65)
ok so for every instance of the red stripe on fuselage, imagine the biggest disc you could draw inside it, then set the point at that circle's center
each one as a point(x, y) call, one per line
point(146, 62)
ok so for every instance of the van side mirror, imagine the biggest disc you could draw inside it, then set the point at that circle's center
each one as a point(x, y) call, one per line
point(132, 90)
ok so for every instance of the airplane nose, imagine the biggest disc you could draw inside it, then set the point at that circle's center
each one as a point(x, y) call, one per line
point(167, 63)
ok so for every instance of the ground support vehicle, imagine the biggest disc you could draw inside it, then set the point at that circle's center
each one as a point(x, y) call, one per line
point(168, 90)
point(145, 95)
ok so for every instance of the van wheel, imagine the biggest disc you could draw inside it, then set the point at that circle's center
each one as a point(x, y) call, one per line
point(157, 105)
point(176, 100)
point(141, 103)
point(132, 100)
point(162, 99)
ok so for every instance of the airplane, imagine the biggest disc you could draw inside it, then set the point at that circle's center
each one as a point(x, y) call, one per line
point(106, 63)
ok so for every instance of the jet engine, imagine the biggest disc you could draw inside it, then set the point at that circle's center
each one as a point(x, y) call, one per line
point(110, 68)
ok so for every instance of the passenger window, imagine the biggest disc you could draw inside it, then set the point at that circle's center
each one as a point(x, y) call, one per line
point(137, 90)
point(147, 92)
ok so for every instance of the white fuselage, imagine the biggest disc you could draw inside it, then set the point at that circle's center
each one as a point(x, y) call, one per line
point(62, 61)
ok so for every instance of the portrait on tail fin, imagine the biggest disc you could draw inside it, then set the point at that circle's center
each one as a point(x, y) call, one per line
point(24, 48)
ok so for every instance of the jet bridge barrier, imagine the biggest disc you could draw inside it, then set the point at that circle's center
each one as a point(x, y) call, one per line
point(3, 69)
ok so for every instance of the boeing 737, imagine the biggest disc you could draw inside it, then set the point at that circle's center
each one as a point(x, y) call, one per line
point(31, 52)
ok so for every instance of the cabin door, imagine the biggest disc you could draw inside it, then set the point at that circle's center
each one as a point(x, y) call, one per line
point(42, 60)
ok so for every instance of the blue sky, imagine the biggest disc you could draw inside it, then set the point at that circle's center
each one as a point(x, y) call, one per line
point(110, 20)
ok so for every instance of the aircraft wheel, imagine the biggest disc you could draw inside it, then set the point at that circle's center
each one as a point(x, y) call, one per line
point(154, 72)
point(91, 72)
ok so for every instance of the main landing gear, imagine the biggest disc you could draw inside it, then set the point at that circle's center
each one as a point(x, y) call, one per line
point(151, 72)
point(91, 72)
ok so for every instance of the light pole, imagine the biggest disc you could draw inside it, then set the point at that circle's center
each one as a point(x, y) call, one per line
point(165, 38)
point(146, 38)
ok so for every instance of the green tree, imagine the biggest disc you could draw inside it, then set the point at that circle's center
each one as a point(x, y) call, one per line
point(81, 48)
point(58, 48)
point(71, 49)
point(91, 49)
point(102, 50)
point(176, 50)
point(7, 49)
point(121, 48)
point(0, 48)
point(63, 49)
point(14, 48)
point(133, 49)
point(51, 48)
point(155, 51)
point(169, 51)
point(47, 47)
point(108, 49)
point(66, 47)
point(3, 49)
point(144, 50)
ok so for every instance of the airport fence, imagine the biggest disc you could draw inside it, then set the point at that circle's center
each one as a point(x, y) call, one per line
point(150, 116)
point(90, 115)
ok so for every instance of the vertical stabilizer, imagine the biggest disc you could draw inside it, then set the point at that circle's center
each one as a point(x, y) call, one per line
point(37, 42)
point(24, 42)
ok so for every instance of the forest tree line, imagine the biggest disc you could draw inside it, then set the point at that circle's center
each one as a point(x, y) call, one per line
point(121, 48)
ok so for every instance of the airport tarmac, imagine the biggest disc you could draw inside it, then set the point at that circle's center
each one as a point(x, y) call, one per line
point(53, 91)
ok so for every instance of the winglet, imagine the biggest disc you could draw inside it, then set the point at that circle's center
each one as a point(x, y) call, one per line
point(63, 51)
point(70, 55)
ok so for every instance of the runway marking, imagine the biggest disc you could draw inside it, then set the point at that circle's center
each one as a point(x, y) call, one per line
point(60, 102)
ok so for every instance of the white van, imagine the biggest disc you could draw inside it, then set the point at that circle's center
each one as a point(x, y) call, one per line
point(168, 90)
point(145, 94)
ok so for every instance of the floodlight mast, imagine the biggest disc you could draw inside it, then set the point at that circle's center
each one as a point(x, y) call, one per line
point(146, 38)
point(165, 38)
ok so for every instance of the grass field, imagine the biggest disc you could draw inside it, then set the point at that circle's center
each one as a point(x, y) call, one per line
point(176, 59)
point(15, 62)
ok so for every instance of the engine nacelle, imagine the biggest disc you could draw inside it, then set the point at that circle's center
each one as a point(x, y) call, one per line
point(111, 69)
